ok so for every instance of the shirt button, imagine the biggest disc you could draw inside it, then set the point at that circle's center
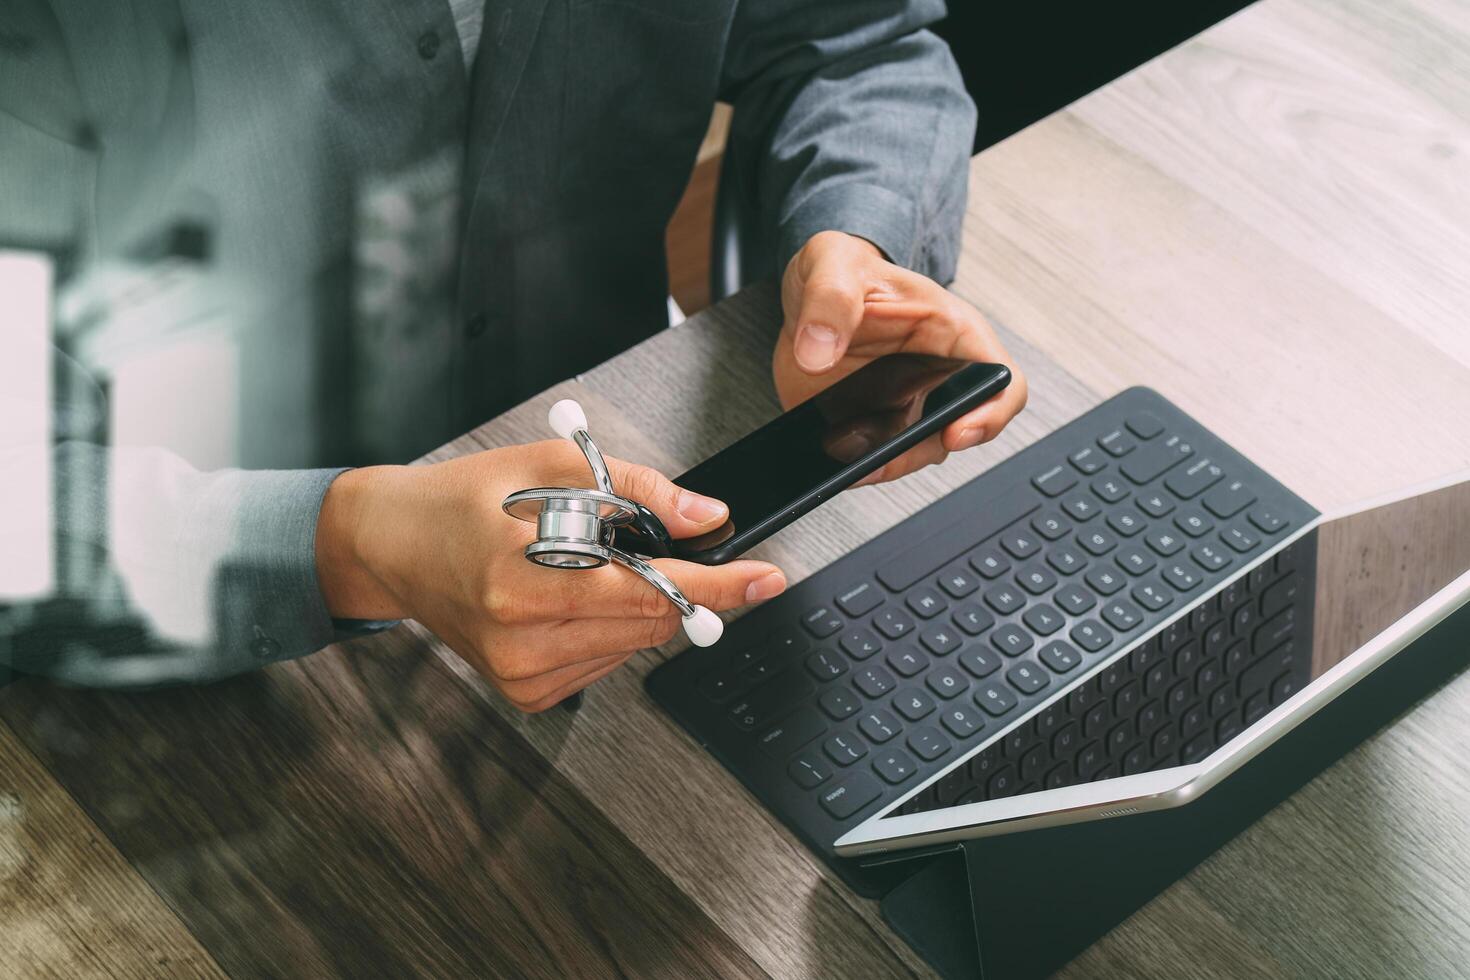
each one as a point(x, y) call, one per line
point(475, 326)
point(428, 45)
point(264, 648)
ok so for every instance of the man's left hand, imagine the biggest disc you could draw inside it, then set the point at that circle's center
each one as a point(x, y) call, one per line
point(845, 305)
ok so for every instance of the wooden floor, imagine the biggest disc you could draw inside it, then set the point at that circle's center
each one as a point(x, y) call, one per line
point(1271, 225)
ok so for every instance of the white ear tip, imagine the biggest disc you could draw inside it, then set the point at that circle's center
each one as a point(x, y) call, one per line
point(703, 627)
point(566, 417)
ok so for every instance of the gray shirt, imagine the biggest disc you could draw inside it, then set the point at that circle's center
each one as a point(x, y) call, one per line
point(295, 237)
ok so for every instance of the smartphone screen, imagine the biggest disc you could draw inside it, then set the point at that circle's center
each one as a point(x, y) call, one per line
point(832, 440)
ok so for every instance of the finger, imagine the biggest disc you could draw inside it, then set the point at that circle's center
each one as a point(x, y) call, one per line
point(831, 306)
point(985, 422)
point(930, 452)
point(545, 690)
point(683, 512)
point(615, 592)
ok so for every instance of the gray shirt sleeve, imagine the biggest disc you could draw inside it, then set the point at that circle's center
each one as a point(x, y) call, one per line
point(849, 117)
point(172, 574)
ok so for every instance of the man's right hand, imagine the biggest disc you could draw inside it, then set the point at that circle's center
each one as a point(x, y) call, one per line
point(432, 544)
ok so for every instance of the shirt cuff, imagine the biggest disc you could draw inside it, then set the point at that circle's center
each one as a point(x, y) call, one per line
point(867, 210)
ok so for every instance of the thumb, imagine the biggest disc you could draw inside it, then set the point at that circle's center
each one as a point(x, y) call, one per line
point(683, 512)
point(828, 314)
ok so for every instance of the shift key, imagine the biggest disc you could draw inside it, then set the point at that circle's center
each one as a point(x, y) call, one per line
point(765, 703)
point(987, 519)
point(1156, 458)
point(850, 795)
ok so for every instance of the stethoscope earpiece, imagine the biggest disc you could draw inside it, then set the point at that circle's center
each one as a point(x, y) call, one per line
point(575, 526)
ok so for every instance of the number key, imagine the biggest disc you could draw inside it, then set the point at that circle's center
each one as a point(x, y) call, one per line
point(1027, 678)
point(962, 721)
point(995, 700)
point(946, 682)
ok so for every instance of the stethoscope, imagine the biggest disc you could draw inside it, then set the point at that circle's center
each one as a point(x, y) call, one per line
point(577, 527)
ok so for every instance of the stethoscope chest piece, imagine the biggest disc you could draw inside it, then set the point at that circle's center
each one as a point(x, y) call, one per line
point(575, 526)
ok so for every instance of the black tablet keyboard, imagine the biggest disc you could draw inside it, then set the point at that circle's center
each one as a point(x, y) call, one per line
point(998, 617)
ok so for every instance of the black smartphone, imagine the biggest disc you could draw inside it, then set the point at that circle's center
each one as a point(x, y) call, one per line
point(829, 442)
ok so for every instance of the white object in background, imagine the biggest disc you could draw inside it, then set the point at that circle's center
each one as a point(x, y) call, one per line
point(27, 567)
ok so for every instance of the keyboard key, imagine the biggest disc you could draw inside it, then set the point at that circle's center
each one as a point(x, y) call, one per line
point(1145, 425)
point(1060, 657)
point(1164, 741)
point(1135, 560)
point(1217, 635)
point(907, 661)
point(821, 622)
point(721, 685)
point(1282, 688)
point(844, 748)
point(1178, 697)
point(995, 700)
point(1117, 442)
point(1096, 719)
point(1255, 708)
point(914, 704)
point(893, 623)
point(765, 703)
point(825, 665)
point(1005, 599)
point(1044, 620)
point(861, 599)
point(925, 602)
point(1155, 459)
point(1151, 596)
point(809, 771)
point(1196, 749)
point(1193, 523)
point(1239, 539)
point(1091, 635)
point(1279, 595)
point(1207, 676)
point(1065, 740)
point(1209, 557)
point(1087, 460)
point(1089, 759)
point(1193, 719)
point(874, 681)
point(1194, 479)
point(787, 642)
point(1066, 559)
point(850, 796)
point(1074, 599)
point(1032, 760)
point(985, 520)
point(839, 703)
point(947, 682)
point(958, 580)
point(1027, 678)
point(894, 765)
point(1221, 699)
point(1228, 499)
point(1080, 506)
point(1135, 760)
point(940, 640)
point(961, 720)
point(1021, 544)
point(979, 661)
point(1002, 784)
point(1182, 577)
point(1104, 580)
point(1050, 525)
point(1126, 521)
point(1267, 520)
point(1036, 579)
point(927, 743)
point(1122, 614)
point(1055, 480)
point(990, 563)
point(1154, 504)
point(1164, 542)
point(1109, 489)
point(972, 618)
point(791, 734)
point(1097, 541)
point(1011, 640)
point(879, 725)
point(1235, 657)
point(1242, 619)
point(860, 643)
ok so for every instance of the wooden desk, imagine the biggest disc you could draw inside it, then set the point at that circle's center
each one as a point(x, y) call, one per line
point(1270, 225)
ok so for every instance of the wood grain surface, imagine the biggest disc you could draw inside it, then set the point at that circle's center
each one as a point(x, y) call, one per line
point(1269, 224)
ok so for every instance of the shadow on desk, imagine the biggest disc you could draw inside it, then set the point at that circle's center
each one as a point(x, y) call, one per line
point(362, 813)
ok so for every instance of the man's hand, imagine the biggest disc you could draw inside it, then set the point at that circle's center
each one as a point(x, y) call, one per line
point(846, 305)
point(431, 543)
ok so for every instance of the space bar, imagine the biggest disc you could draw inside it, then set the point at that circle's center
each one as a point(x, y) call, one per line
point(991, 518)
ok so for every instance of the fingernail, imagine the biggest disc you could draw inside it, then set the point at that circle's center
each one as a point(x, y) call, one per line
point(971, 436)
point(768, 586)
point(816, 347)
point(699, 509)
point(851, 446)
